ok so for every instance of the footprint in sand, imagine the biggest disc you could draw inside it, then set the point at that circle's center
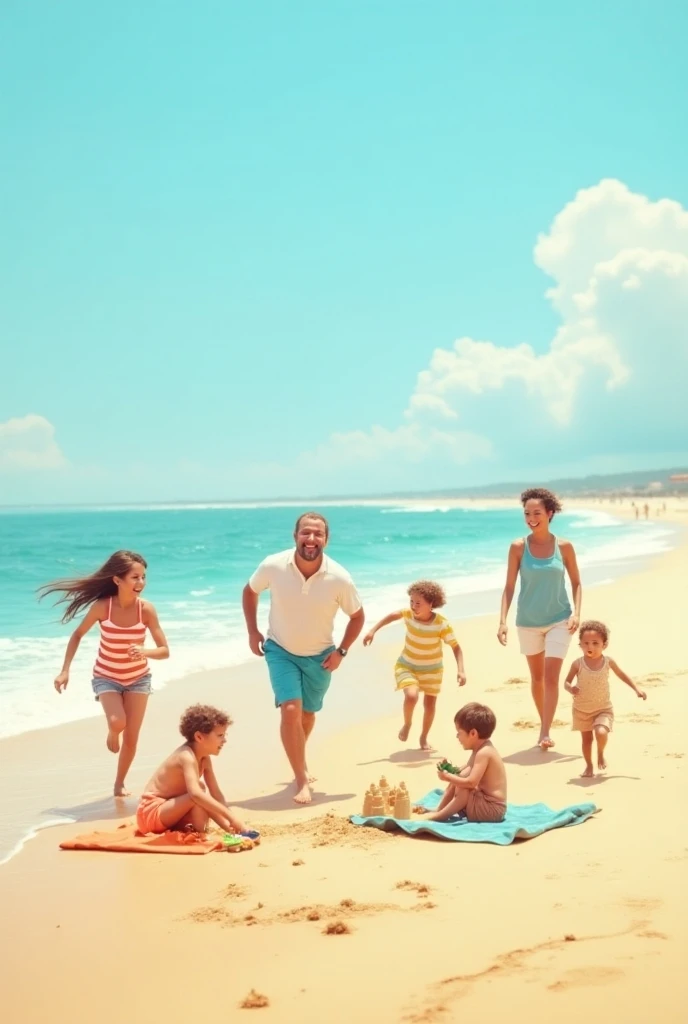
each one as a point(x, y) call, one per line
point(346, 908)
point(584, 977)
point(254, 1001)
point(420, 888)
point(337, 928)
point(652, 718)
point(641, 903)
point(526, 723)
point(234, 892)
point(653, 679)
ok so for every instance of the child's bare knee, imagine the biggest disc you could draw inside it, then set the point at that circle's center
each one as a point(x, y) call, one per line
point(117, 722)
point(601, 731)
point(411, 697)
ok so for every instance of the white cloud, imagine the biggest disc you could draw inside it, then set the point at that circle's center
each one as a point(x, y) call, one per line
point(619, 262)
point(28, 443)
point(597, 226)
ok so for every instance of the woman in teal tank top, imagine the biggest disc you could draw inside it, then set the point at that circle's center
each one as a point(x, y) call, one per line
point(545, 619)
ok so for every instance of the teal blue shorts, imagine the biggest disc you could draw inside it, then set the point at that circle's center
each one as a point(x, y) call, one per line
point(295, 677)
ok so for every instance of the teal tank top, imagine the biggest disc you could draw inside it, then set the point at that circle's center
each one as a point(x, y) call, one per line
point(542, 599)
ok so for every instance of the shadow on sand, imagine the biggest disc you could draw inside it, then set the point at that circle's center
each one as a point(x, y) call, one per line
point(407, 758)
point(595, 780)
point(535, 756)
point(108, 808)
point(284, 799)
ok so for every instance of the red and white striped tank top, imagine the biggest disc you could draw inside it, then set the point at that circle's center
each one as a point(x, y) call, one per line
point(113, 660)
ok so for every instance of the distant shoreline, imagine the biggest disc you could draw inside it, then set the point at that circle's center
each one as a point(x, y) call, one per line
point(650, 483)
point(614, 502)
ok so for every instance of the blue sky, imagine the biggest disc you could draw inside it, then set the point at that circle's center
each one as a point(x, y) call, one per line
point(234, 235)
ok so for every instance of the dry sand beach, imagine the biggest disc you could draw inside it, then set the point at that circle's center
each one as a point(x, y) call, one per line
point(330, 922)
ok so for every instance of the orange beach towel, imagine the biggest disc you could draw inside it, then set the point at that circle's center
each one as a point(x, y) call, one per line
point(126, 839)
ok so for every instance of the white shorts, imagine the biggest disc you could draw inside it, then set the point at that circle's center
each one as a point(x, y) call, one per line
point(553, 640)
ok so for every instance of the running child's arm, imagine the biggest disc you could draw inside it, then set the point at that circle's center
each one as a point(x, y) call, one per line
point(217, 811)
point(392, 617)
point(513, 565)
point(161, 649)
point(573, 672)
point(626, 679)
point(447, 635)
point(460, 670)
point(472, 780)
point(93, 615)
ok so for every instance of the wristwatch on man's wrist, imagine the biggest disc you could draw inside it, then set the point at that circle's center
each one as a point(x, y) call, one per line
point(342, 651)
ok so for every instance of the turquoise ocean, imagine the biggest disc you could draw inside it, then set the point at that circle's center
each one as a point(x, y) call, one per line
point(200, 556)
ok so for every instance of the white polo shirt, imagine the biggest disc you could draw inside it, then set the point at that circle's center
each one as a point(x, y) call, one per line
point(302, 611)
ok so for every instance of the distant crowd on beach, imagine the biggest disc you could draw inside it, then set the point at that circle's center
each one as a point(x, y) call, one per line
point(307, 589)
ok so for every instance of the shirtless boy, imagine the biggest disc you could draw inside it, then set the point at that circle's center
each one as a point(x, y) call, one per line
point(184, 791)
point(479, 790)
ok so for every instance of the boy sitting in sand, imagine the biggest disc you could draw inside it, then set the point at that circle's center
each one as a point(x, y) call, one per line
point(419, 668)
point(176, 797)
point(593, 713)
point(479, 789)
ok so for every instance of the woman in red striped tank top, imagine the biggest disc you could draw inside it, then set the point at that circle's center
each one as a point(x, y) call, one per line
point(121, 677)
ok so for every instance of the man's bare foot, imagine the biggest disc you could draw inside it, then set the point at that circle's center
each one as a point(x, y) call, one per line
point(588, 773)
point(112, 742)
point(602, 765)
point(121, 790)
point(303, 793)
point(545, 743)
point(404, 733)
point(424, 745)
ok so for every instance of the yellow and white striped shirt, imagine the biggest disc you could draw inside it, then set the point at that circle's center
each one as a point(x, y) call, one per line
point(423, 648)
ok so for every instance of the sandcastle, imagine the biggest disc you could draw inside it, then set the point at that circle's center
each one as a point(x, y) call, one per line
point(385, 800)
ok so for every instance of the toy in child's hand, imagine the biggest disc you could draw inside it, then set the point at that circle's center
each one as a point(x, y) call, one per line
point(447, 766)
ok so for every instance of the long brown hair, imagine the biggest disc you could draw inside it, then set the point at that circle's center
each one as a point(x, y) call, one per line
point(84, 590)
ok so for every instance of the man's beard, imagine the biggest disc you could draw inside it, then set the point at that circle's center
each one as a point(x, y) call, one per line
point(312, 555)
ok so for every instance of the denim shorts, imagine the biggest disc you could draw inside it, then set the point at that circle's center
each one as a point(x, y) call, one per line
point(100, 685)
point(297, 677)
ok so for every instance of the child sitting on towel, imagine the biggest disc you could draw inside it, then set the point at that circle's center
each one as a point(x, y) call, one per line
point(593, 714)
point(183, 792)
point(479, 790)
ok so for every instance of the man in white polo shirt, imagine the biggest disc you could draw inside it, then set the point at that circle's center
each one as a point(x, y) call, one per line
point(306, 591)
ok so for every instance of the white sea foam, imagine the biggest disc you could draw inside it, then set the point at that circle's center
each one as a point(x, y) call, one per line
point(586, 519)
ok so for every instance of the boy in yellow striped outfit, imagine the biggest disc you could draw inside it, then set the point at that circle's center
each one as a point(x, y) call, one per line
point(419, 667)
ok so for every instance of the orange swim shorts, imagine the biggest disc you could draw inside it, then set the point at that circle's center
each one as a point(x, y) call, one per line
point(148, 813)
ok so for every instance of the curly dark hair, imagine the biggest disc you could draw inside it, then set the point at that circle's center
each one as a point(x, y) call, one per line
point(201, 718)
point(478, 717)
point(432, 592)
point(549, 500)
point(594, 626)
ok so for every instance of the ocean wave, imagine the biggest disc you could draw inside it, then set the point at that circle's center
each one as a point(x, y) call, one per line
point(207, 630)
point(29, 700)
point(587, 519)
point(415, 509)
